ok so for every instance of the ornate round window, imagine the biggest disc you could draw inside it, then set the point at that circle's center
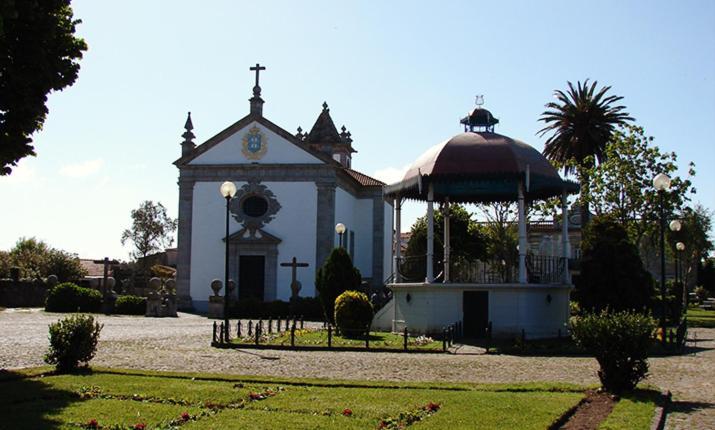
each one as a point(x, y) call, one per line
point(255, 206)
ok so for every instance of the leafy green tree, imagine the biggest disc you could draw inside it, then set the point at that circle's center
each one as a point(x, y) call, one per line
point(695, 234)
point(36, 259)
point(612, 274)
point(581, 122)
point(39, 53)
point(152, 229)
point(622, 184)
point(466, 242)
point(334, 277)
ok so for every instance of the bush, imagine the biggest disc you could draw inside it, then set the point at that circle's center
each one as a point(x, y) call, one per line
point(68, 297)
point(73, 340)
point(353, 313)
point(612, 273)
point(130, 305)
point(335, 276)
point(620, 343)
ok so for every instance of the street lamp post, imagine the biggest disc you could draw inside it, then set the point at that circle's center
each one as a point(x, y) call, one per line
point(228, 190)
point(679, 248)
point(661, 183)
point(340, 230)
point(675, 227)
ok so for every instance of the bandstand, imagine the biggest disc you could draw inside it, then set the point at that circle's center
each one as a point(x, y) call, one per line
point(481, 166)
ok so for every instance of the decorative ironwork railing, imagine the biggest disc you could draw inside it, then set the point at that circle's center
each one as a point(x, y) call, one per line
point(540, 269)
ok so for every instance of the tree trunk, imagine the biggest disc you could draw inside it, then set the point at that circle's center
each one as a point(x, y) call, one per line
point(585, 213)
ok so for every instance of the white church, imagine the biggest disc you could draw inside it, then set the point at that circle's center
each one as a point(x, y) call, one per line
point(292, 190)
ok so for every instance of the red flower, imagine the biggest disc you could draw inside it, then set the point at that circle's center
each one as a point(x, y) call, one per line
point(185, 416)
point(139, 426)
point(92, 424)
point(255, 396)
point(432, 407)
point(347, 412)
point(383, 425)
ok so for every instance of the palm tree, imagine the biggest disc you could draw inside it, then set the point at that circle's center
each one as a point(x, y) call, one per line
point(582, 122)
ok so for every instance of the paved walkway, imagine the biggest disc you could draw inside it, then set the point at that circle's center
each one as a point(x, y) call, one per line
point(182, 344)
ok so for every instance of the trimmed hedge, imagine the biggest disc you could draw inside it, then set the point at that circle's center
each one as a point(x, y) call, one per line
point(130, 305)
point(353, 313)
point(68, 297)
point(619, 341)
point(73, 340)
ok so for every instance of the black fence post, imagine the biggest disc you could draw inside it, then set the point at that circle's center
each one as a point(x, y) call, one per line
point(228, 331)
point(330, 336)
point(287, 322)
point(258, 333)
point(405, 339)
point(444, 339)
point(301, 322)
point(238, 329)
point(292, 336)
point(221, 333)
point(367, 338)
point(270, 325)
point(213, 338)
point(250, 328)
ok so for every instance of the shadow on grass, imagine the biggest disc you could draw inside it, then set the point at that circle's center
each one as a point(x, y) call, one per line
point(30, 402)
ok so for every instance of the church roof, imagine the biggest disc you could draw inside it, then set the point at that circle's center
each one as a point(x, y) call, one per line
point(363, 179)
point(324, 130)
point(243, 122)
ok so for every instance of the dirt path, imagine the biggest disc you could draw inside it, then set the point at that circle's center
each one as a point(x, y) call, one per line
point(182, 344)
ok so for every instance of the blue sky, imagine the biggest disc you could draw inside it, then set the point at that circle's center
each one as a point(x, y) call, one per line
point(398, 74)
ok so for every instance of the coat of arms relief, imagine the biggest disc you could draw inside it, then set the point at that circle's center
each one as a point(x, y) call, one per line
point(255, 144)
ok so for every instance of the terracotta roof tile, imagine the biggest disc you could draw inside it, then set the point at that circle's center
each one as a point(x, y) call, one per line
point(363, 179)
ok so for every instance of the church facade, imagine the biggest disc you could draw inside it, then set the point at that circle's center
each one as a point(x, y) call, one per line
point(292, 190)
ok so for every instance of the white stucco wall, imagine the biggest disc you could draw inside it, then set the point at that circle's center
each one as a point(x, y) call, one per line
point(387, 250)
point(295, 225)
point(356, 214)
point(511, 308)
point(229, 151)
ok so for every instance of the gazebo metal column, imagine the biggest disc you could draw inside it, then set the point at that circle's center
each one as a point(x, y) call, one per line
point(522, 235)
point(565, 243)
point(430, 234)
point(398, 239)
point(446, 240)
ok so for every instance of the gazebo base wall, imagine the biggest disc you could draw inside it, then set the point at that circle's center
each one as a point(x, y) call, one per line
point(534, 310)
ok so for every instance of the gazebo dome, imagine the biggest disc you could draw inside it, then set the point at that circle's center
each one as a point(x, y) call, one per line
point(480, 166)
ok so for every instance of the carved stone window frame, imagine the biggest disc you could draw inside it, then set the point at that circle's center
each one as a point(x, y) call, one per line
point(254, 188)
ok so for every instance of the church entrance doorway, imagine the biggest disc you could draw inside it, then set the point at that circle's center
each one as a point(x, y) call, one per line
point(251, 277)
point(475, 308)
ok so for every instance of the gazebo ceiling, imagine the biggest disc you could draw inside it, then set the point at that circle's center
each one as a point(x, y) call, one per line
point(480, 167)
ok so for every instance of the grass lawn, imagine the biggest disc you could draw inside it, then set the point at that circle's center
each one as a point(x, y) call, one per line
point(633, 411)
point(123, 399)
point(700, 317)
point(319, 338)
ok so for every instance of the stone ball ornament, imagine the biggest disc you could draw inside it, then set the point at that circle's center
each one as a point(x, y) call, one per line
point(231, 286)
point(216, 286)
point(155, 283)
point(52, 280)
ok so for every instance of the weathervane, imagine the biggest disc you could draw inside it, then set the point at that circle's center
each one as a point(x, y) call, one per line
point(479, 100)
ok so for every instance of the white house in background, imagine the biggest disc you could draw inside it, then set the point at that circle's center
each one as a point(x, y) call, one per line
point(292, 190)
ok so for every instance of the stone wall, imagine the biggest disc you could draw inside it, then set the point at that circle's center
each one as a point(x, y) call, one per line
point(20, 294)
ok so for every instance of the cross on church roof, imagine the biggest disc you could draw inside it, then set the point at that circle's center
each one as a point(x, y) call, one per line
point(257, 69)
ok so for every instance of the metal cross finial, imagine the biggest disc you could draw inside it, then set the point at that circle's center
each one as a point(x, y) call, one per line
point(257, 69)
point(479, 101)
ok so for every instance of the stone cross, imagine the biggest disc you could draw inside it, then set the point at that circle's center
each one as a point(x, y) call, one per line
point(294, 284)
point(257, 69)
